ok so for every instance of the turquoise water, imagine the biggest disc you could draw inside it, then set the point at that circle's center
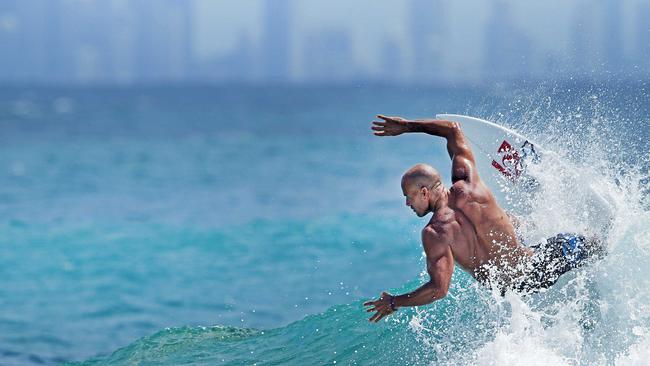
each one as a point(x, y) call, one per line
point(242, 225)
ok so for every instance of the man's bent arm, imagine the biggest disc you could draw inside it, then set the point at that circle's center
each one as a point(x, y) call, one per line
point(425, 294)
point(440, 265)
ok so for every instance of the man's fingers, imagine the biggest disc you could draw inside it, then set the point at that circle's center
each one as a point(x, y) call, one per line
point(372, 309)
point(377, 123)
point(368, 303)
point(376, 128)
point(380, 134)
point(380, 317)
point(384, 117)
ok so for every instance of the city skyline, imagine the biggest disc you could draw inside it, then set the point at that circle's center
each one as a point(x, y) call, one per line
point(422, 41)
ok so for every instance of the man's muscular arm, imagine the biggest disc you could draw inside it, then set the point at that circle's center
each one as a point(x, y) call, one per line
point(440, 265)
point(463, 163)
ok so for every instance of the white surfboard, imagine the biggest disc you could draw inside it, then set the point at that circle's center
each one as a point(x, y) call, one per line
point(502, 155)
point(505, 160)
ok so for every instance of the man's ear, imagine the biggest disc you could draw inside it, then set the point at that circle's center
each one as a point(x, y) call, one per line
point(424, 191)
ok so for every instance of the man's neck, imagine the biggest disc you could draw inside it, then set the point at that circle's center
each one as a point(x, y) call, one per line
point(441, 202)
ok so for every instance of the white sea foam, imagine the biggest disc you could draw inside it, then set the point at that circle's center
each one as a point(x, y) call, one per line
point(598, 314)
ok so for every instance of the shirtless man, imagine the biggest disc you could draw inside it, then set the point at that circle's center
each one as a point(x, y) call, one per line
point(469, 228)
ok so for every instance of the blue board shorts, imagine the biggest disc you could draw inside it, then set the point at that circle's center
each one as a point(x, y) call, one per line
point(555, 257)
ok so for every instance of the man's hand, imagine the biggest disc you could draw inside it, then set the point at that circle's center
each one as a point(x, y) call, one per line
point(381, 306)
point(392, 126)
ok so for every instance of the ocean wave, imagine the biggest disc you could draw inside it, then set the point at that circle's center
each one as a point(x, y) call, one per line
point(598, 314)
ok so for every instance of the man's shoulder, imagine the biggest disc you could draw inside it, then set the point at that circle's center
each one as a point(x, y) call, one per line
point(434, 241)
point(435, 232)
point(430, 230)
point(461, 186)
point(462, 191)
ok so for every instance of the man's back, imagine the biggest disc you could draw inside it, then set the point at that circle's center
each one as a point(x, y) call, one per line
point(488, 236)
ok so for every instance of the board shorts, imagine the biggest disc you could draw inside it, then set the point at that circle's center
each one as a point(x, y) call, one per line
point(553, 258)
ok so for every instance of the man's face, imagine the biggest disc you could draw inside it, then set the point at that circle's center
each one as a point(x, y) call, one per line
point(417, 198)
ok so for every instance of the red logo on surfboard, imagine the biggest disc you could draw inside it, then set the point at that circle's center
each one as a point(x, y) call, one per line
point(509, 164)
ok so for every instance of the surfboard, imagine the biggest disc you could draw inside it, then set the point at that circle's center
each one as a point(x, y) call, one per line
point(506, 160)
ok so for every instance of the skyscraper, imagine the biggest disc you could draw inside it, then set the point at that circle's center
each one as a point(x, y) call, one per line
point(612, 37)
point(163, 46)
point(122, 27)
point(180, 38)
point(276, 46)
point(391, 60)
point(583, 48)
point(30, 40)
point(426, 31)
point(642, 41)
point(32, 50)
point(54, 41)
point(507, 49)
point(92, 52)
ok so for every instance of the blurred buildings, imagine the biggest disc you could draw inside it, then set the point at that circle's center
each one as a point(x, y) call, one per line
point(426, 27)
point(132, 41)
point(642, 38)
point(95, 41)
point(507, 48)
point(276, 42)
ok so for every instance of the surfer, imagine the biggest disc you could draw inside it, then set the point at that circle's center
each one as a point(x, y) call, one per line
point(468, 228)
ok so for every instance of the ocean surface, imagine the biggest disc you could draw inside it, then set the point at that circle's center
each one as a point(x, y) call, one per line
point(246, 225)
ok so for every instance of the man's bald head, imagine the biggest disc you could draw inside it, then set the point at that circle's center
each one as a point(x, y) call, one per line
point(421, 175)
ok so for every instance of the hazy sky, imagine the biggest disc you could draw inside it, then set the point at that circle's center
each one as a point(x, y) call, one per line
point(553, 36)
point(221, 23)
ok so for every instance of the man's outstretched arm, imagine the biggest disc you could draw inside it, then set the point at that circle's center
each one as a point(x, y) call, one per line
point(393, 126)
point(463, 163)
point(440, 265)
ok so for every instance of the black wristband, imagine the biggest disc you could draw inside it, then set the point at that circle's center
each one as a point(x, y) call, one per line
point(392, 303)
